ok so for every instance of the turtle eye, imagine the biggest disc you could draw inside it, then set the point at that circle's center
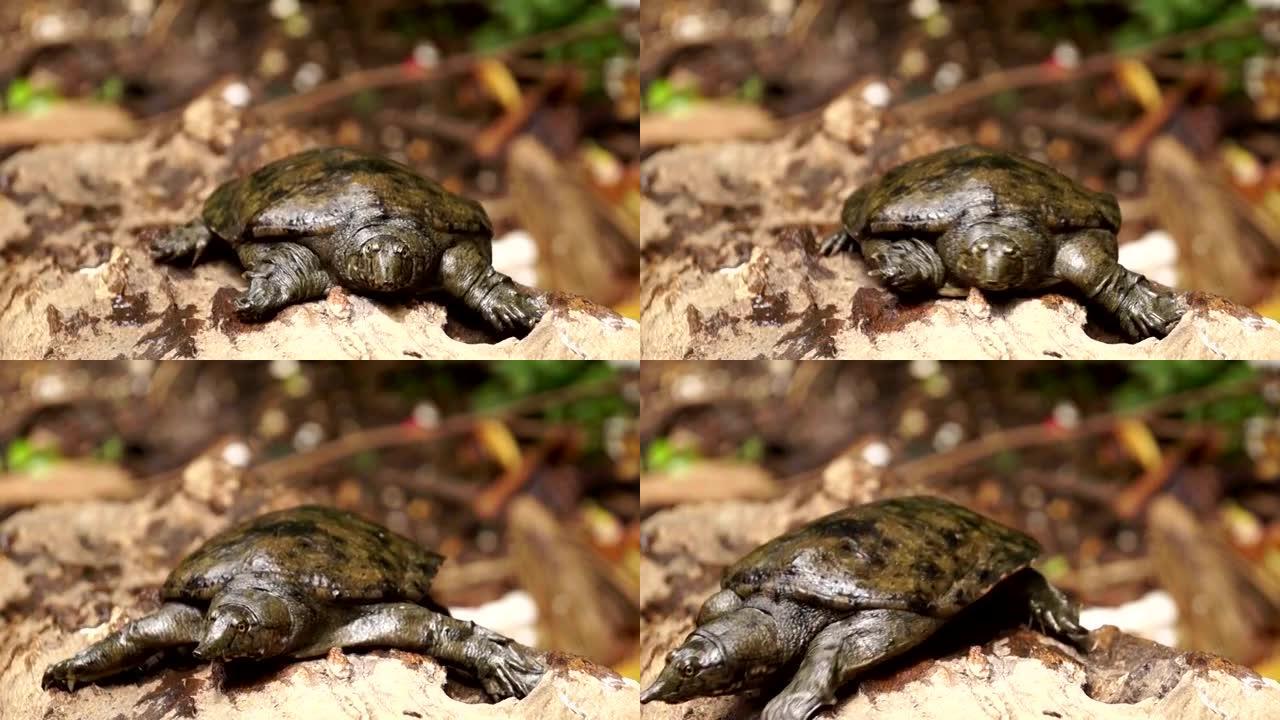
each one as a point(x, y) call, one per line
point(984, 246)
point(687, 668)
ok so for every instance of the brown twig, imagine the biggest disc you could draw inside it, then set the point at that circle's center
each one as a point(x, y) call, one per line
point(1038, 434)
point(490, 141)
point(1041, 74)
point(401, 74)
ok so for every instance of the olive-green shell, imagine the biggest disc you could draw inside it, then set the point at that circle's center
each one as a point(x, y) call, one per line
point(921, 554)
point(931, 192)
point(334, 554)
point(311, 193)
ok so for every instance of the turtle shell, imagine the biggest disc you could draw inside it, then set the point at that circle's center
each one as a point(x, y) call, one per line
point(928, 194)
point(920, 554)
point(333, 554)
point(314, 192)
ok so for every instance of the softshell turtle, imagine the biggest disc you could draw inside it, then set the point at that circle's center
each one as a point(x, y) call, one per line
point(296, 583)
point(969, 217)
point(825, 602)
point(337, 216)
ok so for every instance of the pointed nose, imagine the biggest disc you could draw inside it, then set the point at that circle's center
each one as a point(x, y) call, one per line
point(218, 638)
point(659, 689)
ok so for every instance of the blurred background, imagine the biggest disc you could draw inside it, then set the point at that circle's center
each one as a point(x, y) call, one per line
point(1169, 104)
point(530, 107)
point(523, 474)
point(1153, 486)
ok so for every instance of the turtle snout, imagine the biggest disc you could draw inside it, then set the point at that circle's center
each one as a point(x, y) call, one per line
point(388, 263)
point(224, 634)
point(997, 263)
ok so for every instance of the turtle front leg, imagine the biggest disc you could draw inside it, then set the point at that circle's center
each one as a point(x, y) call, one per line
point(184, 241)
point(504, 667)
point(280, 274)
point(1052, 612)
point(174, 624)
point(1088, 260)
point(468, 274)
point(907, 265)
point(839, 241)
point(841, 651)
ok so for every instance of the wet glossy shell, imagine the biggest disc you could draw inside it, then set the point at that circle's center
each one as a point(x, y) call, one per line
point(930, 193)
point(312, 192)
point(333, 554)
point(921, 554)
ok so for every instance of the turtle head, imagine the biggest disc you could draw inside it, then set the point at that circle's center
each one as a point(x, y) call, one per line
point(729, 653)
point(385, 259)
point(993, 253)
point(698, 667)
point(248, 623)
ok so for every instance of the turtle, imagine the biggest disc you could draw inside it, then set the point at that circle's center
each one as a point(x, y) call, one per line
point(340, 216)
point(972, 217)
point(294, 584)
point(825, 602)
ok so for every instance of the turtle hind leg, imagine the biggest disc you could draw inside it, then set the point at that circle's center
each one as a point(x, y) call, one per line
point(1088, 260)
point(840, 652)
point(182, 242)
point(503, 666)
point(280, 274)
point(467, 273)
point(907, 265)
point(174, 624)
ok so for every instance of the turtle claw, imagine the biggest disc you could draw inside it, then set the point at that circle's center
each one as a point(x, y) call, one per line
point(1149, 311)
point(186, 241)
point(262, 300)
point(506, 668)
point(836, 242)
point(905, 265)
point(509, 310)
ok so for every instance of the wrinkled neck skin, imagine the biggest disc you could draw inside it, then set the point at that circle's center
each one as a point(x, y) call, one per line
point(738, 650)
point(997, 254)
point(254, 618)
point(381, 256)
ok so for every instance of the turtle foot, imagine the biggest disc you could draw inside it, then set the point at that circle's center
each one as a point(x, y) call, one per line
point(186, 241)
point(265, 296)
point(907, 266)
point(506, 668)
point(792, 706)
point(840, 241)
point(509, 309)
point(1149, 311)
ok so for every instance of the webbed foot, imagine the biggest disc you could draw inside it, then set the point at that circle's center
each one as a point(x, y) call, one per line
point(1148, 311)
point(1053, 613)
point(793, 706)
point(264, 297)
point(280, 274)
point(510, 310)
point(504, 667)
point(185, 241)
point(905, 265)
